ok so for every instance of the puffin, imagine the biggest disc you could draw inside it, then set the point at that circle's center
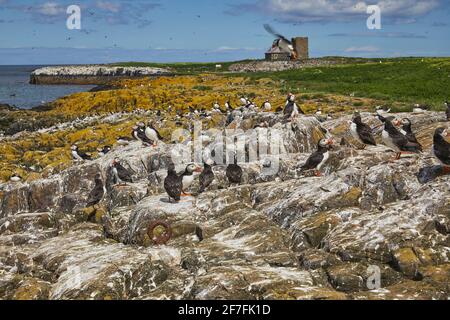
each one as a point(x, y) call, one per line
point(134, 132)
point(234, 172)
point(103, 151)
point(243, 101)
point(228, 106)
point(447, 112)
point(79, 156)
point(173, 183)
point(96, 195)
point(420, 108)
point(441, 148)
point(188, 177)
point(406, 130)
point(320, 116)
point(206, 177)
point(152, 134)
point(382, 110)
point(124, 141)
point(266, 106)
point(216, 107)
point(393, 139)
point(15, 178)
point(319, 157)
point(361, 131)
point(230, 118)
point(291, 109)
point(139, 134)
point(121, 175)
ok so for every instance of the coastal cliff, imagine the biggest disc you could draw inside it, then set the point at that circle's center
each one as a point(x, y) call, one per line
point(91, 74)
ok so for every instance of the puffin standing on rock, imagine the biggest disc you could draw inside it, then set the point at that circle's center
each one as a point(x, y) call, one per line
point(361, 131)
point(188, 177)
point(393, 139)
point(234, 172)
point(441, 148)
point(120, 174)
point(96, 195)
point(173, 183)
point(206, 177)
point(266, 106)
point(79, 156)
point(291, 110)
point(103, 151)
point(318, 158)
point(407, 131)
point(152, 134)
point(141, 134)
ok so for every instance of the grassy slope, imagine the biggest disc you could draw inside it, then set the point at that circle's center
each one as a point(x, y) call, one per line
point(408, 80)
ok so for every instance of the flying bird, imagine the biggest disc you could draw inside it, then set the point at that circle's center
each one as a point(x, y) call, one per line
point(281, 42)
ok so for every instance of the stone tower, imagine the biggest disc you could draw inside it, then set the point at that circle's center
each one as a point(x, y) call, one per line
point(301, 47)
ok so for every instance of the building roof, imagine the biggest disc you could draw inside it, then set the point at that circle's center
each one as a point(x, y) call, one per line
point(275, 50)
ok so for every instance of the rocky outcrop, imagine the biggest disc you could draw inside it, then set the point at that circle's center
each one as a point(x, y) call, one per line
point(91, 74)
point(287, 235)
point(273, 66)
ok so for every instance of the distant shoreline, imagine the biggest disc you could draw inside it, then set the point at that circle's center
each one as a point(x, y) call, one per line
point(92, 74)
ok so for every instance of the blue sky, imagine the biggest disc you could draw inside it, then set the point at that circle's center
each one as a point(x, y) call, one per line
point(34, 32)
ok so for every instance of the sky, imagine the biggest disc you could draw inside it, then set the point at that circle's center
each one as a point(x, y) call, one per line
point(35, 32)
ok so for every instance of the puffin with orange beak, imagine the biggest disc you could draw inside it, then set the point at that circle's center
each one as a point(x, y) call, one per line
point(441, 147)
point(395, 140)
point(120, 174)
point(188, 177)
point(319, 157)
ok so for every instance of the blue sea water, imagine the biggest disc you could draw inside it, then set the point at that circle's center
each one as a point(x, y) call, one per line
point(15, 89)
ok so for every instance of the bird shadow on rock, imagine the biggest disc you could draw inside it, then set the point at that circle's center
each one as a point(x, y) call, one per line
point(165, 200)
point(430, 173)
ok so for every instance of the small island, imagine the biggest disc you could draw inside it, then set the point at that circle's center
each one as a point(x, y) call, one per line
point(92, 74)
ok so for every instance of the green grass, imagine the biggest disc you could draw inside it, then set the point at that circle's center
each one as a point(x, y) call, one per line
point(407, 80)
point(404, 80)
point(183, 68)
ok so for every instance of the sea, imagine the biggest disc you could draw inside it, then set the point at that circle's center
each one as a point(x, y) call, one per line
point(16, 90)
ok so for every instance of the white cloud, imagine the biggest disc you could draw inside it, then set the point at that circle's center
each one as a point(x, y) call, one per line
point(362, 49)
point(108, 6)
point(339, 10)
point(50, 9)
point(228, 49)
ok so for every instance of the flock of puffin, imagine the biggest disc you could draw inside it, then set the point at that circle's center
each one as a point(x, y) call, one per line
point(396, 135)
